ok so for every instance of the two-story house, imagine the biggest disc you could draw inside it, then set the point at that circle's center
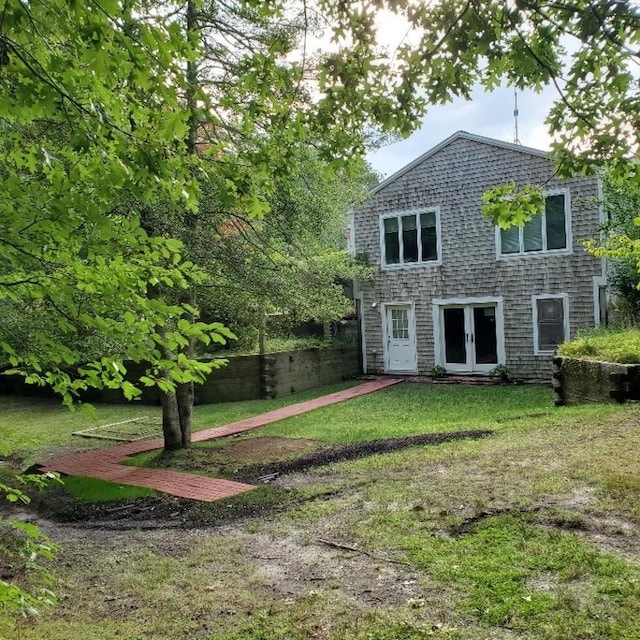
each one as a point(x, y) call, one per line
point(450, 288)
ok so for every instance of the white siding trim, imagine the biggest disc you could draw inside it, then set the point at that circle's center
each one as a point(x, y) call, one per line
point(351, 242)
point(358, 297)
point(602, 217)
point(598, 281)
point(534, 316)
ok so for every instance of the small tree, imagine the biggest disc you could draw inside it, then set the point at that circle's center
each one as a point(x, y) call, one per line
point(620, 243)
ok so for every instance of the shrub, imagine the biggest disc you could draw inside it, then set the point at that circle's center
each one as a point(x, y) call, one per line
point(609, 345)
point(438, 371)
point(24, 553)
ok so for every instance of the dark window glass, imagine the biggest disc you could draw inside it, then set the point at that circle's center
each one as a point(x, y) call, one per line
point(454, 336)
point(555, 222)
point(532, 234)
point(391, 241)
point(409, 239)
point(550, 323)
point(428, 236)
point(510, 240)
point(486, 343)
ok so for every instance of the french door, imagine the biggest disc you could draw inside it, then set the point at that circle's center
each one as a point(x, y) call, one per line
point(471, 336)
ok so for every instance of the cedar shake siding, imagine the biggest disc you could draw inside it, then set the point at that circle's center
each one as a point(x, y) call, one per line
point(462, 275)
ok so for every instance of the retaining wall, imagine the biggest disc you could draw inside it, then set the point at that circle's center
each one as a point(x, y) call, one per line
point(579, 381)
point(243, 378)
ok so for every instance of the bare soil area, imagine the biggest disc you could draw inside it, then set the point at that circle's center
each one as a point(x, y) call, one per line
point(239, 461)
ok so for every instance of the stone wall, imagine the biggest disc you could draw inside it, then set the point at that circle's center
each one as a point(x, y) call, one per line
point(579, 381)
point(244, 378)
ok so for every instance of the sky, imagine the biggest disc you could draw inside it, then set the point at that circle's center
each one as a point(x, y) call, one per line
point(487, 114)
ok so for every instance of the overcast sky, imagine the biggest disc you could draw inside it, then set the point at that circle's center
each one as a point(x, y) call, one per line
point(488, 115)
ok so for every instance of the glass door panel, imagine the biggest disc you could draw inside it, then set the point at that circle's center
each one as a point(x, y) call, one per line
point(484, 335)
point(455, 342)
point(469, 337)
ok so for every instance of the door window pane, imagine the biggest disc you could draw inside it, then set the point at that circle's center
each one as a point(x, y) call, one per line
point(400, 324)
point(455, 336)
point(409, 239)
point(428, 236)
point(485, 339)
point(555, 222)
point(391, 241)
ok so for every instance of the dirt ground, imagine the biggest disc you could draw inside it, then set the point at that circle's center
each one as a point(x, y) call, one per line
point(239, 460)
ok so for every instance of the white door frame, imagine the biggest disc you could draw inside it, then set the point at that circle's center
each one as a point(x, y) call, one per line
point(438, 306)
point(412, 333)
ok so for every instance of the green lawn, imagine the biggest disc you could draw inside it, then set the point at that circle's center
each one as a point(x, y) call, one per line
point(531, 534)
point(410, 409)
point(33, 428)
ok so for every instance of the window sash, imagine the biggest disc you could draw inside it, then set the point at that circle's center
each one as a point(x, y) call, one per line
point(542, 234)
point(550, 318)
point(410, 238)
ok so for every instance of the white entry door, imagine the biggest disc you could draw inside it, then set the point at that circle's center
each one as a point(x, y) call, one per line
point(400, 345)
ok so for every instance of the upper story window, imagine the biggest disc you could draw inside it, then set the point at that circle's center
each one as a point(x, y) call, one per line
point(542, 234)
point(411, 238)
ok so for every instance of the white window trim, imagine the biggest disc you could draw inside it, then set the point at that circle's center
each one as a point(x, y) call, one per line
point(544, 252)
point(351, 230)
point(534, 315)
point(411, 265)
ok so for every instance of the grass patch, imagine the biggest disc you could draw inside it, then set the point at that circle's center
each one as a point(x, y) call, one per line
point(277, 345)
point(508, 536)
point(605, 344)
point(411, 409)
point(33, 428)
point(510, 573)
point(95, 490)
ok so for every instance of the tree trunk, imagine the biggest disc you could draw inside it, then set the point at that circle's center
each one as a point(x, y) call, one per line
point(185, 397)
point(171, 428)
point(184, 392)
point(177, 408)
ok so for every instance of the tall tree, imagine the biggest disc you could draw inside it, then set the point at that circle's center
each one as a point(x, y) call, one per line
point(294, 259)
point(76, 137)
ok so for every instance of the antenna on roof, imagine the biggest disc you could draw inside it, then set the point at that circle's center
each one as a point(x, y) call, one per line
point(516, 139)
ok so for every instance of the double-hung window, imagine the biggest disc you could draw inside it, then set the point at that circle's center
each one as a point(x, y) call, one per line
point(546, 233)
point(410, 238)
point(550, 322)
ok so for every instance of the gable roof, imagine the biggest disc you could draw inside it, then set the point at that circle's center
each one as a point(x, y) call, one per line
point(457, 136)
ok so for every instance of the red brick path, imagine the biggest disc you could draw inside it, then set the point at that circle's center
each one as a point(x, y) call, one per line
point(105, 464)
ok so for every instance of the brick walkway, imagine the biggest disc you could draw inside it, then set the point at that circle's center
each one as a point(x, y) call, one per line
point(106, 464)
